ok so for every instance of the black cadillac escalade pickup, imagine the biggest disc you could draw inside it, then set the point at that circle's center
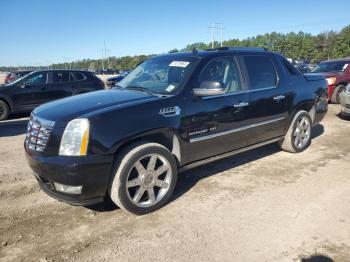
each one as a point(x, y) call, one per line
point(171, 113)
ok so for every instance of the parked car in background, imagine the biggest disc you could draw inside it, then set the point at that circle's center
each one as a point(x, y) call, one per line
point(337, 74)
point(345, 101)
point(12, 76)
point(107, 71)
point(111, 81)
point(39, 87)
point(305, 68)
point(172, 112)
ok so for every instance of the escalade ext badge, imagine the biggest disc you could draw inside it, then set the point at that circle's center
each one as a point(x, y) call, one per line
point(170, 111)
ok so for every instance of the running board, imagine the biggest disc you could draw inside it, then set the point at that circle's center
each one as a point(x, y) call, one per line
point(215, 158)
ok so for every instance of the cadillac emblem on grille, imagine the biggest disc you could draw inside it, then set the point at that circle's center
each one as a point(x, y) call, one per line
point(38, 133)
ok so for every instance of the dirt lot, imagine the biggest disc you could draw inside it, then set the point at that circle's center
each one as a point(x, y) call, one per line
point(263, 205)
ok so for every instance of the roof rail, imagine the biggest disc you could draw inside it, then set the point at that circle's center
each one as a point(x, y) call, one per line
point(238, 48)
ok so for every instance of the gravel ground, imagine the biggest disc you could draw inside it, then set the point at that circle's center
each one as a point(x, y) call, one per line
point(263, 205)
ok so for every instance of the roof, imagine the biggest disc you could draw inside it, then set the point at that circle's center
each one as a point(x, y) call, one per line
point(346, 59)
point(217, 51)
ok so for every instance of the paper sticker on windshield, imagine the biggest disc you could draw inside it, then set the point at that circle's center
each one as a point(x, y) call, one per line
point(345, 66)
point(179, 63)
point(170, 88)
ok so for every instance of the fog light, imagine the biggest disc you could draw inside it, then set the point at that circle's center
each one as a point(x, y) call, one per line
point(75, 190)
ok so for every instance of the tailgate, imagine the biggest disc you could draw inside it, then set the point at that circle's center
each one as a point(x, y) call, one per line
point(314, 77)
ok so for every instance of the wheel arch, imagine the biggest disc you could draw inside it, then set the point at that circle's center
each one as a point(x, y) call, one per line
point(344, 83)
point(166, 137)
point(308, 106)
point(8, 101)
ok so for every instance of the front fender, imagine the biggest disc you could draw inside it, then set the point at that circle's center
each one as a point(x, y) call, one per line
point(8, 100)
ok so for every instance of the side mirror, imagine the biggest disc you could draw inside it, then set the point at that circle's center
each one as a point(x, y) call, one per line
point(209, 88)
point(22, 85)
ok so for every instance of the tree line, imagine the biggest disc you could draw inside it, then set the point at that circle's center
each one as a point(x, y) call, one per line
point(298, 46)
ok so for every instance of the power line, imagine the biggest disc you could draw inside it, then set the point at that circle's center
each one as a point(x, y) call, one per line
point(105, 55)
point(216, 28)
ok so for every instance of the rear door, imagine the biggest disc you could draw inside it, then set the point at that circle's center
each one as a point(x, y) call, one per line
point(60, 85)
point(215, 124)
point(268, 107)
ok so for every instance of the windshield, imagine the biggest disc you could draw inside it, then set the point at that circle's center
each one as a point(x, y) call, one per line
point(330, 67)
point(159, 75)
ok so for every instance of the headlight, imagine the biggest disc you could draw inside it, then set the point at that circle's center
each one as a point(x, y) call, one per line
point(347, 89)
point(75, 138)
point(331, 80)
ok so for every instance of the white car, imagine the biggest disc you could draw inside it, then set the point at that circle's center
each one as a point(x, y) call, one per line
point(345, 101)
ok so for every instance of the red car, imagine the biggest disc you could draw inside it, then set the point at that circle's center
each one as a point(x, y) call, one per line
point(12, 76)
point(337, 74)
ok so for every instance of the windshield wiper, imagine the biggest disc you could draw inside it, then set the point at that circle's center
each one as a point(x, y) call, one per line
point(142, 89)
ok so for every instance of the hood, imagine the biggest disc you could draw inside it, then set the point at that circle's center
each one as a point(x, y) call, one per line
point(63, 110)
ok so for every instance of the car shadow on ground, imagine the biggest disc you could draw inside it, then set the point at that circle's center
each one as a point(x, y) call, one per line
point(342, 117)
point(188, 179)
point(317, 258)
point(14, 126)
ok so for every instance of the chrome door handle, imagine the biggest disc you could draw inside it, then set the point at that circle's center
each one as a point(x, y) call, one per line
point(279, 97)
point(241, 104)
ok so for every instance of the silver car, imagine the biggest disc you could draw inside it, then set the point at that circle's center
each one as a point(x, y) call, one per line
point(345, 101)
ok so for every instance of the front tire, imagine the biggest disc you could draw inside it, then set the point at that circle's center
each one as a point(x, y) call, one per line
point(144, 178)
point(4, 111)
point(298, 137)
point(335, 98)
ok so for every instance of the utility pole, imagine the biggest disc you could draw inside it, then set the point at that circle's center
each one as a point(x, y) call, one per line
point(105, 54)
point(215, 29)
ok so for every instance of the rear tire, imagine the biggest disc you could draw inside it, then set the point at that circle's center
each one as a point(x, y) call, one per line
point(4, 111)
point(298, 137)
point(144, 178)
point(335, 99)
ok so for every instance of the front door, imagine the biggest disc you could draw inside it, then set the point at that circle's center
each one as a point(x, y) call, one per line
point(216, 124)
point(31, 91)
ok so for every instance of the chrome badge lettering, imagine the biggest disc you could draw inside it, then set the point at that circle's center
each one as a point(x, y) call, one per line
point(170, 111)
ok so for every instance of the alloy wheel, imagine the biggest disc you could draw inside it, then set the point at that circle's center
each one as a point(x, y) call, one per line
point(149, 180)
point(2, 111)
point(302, 132)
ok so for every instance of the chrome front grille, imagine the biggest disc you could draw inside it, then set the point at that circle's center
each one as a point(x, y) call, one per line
point(38, 133)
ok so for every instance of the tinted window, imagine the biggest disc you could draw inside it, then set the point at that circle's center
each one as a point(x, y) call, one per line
point(79, 76)
point(331, 67)
point(36, 79)
point(223, 70)
point(60, 77)
point(261, 72)
point(289, 67)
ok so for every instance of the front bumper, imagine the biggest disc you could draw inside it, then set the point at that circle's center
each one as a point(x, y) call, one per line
point(345, 103)
point(92, 172)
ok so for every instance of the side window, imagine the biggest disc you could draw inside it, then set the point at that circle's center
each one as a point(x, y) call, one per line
point(60, 77)
point(224, 70)
point(261, 72)
point(78, 76)
point(289, 67)
point(36, 79)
